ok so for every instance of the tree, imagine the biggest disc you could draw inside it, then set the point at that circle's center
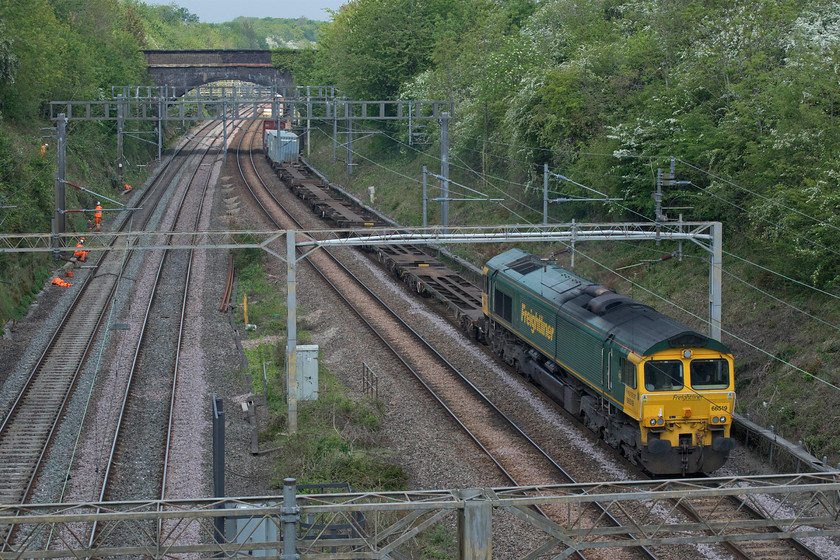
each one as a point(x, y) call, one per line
point(370, 52)
point(8, 61)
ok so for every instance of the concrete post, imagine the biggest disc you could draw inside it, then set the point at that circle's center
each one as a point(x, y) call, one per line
point(120, 130)
point(715, 280)
point(291, 332)
point(224, 129)
point(308, 116)
point(60, 175)
point(545, 194)
point(160, 127)
point(349, 139)
point(335, 130)
point(657, 197)
point(425, 198)
point(290, 519)
point(475, 527)
point(444, 168)
point(219, 462)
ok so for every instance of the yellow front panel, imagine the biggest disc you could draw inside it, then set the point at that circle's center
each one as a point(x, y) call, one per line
point(686, 410)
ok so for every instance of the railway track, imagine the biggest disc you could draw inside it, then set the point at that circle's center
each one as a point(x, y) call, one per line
point(419, 271)
point(30, 421)
point(138, 468)
point(521, 460)
point(735, 509)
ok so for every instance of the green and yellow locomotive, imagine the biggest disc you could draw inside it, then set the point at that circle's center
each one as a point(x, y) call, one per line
point(649, 386)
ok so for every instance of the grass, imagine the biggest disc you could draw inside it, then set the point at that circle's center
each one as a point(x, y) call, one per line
point(339, 437)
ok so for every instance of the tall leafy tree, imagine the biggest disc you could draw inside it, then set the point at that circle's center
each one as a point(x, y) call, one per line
point(372, 47)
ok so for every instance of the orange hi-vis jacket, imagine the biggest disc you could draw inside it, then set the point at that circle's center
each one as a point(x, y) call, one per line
point(78, 253)
point(59, 282)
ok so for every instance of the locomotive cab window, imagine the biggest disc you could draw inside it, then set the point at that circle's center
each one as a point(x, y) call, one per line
point(628, 373)
point(709, 374)
point(503, 305)
point(663, 375)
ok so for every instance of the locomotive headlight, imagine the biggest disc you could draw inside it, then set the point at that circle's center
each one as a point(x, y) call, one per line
point(723, 419)
point(653, 421)
point(715, 420)
point(686, 354)
point(660, 421)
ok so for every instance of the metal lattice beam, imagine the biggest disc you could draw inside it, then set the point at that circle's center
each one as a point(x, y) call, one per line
point(211, 108)
point(699, 232)
point(705, 234)
point(381, 524)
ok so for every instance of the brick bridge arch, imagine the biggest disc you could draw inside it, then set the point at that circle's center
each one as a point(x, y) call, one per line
point(194, 68)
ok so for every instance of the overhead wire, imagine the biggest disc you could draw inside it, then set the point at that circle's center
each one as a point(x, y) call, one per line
point(666, 225)
point(361, 156)
point(764, 198)
point(651, 159)
point(774, 224)
point(631, 211)
point(765, 269)
point(781, 301)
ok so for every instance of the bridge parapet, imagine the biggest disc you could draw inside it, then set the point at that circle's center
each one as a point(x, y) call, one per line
point(192, 68)
point(188, 58)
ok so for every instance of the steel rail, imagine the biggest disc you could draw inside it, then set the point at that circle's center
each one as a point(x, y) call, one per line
point(228, 287)
point(740, 548)
point(141, 339)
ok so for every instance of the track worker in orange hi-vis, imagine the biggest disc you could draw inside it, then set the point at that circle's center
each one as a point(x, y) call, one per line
point(97, 217)
point(80, 253)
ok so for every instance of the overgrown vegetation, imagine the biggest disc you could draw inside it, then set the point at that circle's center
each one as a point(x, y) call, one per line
point(72, 50)
point(174, 27)
point(54, 51)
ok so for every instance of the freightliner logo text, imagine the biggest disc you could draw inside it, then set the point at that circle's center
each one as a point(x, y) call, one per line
point(537, 323)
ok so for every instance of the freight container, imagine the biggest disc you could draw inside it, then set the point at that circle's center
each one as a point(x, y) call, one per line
point(281, 146)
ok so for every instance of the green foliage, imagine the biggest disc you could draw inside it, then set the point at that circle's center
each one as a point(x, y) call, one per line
point(248, 258)
point(52, 51)
point(439, 542)
point(21, 276)
point(9, 63)
point(369, 51)
point(744, 96)
point(174, 27)
point(284, 59)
